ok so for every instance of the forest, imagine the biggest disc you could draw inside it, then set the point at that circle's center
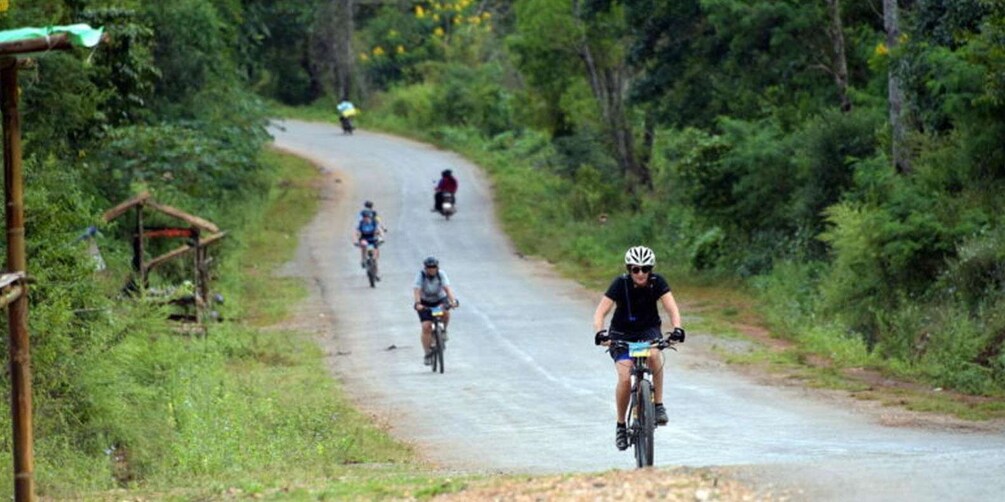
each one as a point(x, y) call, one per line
point(842, 159)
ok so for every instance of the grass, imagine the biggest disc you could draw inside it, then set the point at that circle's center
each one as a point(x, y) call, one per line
point(320, 112)
point(292, 202)
point(250, 410)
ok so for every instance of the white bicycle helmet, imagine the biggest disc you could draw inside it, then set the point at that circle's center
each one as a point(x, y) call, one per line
point(641, 256)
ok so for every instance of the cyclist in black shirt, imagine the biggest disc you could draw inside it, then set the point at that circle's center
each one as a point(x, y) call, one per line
point(636, 319)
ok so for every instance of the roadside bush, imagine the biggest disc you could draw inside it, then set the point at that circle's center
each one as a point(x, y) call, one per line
point(949, 350)
point(62, 111)
point(977, 269)
point(527, 146)
point(412, 104)
point(882, 254)
point(827, 150)
point(470, 96)
point(789, 294)
point(592, 196)
point(204, 168)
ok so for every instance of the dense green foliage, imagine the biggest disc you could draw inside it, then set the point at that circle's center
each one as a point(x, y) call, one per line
point(713, 130)
point(120, 397)
point(757, 160)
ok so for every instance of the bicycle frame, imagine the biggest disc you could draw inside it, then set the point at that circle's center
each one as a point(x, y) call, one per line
point(370, 263)
point(439, 344)
point(641, 407)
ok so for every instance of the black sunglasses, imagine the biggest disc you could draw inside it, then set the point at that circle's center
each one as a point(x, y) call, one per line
point(637, 269)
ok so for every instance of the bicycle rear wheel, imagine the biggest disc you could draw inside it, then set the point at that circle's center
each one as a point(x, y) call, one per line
point(646, 422)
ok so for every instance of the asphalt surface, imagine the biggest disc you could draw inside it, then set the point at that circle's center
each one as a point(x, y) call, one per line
point(525, 390)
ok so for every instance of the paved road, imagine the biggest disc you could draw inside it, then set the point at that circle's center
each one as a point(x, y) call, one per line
point(525, 389)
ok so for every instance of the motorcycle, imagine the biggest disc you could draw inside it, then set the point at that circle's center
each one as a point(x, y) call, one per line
point(347, 126)
point(447, 206)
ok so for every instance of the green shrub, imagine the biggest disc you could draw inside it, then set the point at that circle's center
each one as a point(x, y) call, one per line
point(412, 104)
point(977, 269)
point(789, 294)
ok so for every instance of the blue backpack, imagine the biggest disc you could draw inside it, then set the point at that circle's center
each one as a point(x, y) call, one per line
point(368, 228)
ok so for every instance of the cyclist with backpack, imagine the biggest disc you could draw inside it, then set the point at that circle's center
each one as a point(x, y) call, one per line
point(431, 289)
point(635, 294)
point(368, 233)
point(368, 206)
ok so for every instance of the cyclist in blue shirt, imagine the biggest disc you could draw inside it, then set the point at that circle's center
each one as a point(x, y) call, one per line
point(368, 206)
point(368, 233)
point(636, 319)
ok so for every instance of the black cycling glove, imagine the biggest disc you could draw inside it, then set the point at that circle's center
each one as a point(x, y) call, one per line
point(677, 335)
point(600, 337)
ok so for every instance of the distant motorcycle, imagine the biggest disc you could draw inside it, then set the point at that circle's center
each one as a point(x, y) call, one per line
point(347, 126)
point(447, 207)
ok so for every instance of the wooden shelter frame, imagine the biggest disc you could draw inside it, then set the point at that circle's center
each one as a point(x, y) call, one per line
point(197, 246)
point(14, 280)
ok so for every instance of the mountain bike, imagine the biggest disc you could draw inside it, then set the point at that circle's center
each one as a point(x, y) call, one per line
point(370, 264)
point(641, 405)
point(439, 343)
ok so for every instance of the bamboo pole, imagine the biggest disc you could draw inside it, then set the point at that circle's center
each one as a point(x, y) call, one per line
point(17, 311)
point(141, 266)
point(196, 286)
point(57, 41)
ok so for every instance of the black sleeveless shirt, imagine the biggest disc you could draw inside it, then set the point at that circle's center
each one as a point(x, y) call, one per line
point(637, 308)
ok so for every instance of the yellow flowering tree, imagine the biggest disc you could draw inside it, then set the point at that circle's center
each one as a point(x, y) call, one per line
point(435, 31)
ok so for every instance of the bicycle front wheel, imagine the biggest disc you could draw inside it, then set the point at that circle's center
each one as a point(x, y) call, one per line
point(646, 424)
point(371, 273)
point(437, 349)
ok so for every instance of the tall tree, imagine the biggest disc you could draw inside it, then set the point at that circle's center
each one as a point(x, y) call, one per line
point(553, 32)
point(895, 89)
point(609, 76)
point(839, 62)
point(331, 54)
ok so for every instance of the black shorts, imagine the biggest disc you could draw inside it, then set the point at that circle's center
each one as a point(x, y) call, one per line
point(646, 335)
point(426, 314)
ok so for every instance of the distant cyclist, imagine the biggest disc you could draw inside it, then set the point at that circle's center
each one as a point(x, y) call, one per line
point(432, 288)
point(368, 206)
point(368, 233)
point(346, 111)
point(636, 319)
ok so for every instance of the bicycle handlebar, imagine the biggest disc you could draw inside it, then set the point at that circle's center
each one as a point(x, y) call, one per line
point(445, 305)
point(660, 344)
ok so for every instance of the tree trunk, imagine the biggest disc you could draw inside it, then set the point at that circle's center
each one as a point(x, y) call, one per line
point(608, 83)
point(331, 54)
point(648, 138)
point(839, 60)
point(344, 58)
point(608, 86)
point(891, 23)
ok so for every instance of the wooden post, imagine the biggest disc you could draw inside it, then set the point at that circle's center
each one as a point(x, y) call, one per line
point(197, 277)
point(17, 311)
point(141, 266)
point(202, 283)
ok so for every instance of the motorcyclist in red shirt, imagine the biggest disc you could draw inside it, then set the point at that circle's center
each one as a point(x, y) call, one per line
point(447, 184)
